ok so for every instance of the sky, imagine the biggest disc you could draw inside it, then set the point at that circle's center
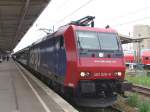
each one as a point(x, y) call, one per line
point(121, 15)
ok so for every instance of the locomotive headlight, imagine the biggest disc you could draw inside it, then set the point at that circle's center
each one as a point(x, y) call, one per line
point(118, 74)
point(84, 74)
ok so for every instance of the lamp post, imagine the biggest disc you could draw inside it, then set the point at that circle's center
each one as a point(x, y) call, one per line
point(139, 49)
point(139, 40)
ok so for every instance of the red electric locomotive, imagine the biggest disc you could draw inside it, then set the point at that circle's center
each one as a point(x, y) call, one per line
point(145, 58)
point(129, 60)
point(83, 62)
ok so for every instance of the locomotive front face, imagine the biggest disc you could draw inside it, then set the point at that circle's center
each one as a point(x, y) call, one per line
point(100, 66)
point(100, 55)
point(95, 65)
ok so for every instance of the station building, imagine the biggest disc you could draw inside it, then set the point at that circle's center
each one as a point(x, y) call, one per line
point(141, 31)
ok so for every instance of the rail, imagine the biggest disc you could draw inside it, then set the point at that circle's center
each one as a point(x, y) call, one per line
point(141, 89)
point(107, 109)
point(115, 109)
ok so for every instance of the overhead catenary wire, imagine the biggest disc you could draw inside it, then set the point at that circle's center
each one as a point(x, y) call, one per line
point(129, 13)
point(132, 21)
point(122, 16)
point(63, 4)
point(76, 10)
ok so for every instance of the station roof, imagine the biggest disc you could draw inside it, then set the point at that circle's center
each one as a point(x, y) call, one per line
point(125, 39)
point(16, 17)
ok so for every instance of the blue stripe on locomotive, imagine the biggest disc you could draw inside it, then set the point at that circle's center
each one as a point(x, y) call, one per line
point(52, 57)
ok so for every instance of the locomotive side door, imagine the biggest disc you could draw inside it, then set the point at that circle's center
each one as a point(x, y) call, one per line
point(61, 57)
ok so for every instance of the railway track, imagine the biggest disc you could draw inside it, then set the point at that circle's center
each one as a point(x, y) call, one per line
point(141, 89)
point(115, 109)
point(107, 109)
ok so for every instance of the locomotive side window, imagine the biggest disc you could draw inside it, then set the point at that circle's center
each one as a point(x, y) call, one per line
point(61, 42)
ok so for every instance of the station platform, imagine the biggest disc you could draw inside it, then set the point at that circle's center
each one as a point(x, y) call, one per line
point(20, 91)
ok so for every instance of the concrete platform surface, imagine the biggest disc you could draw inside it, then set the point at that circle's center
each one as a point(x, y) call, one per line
point(20, 93)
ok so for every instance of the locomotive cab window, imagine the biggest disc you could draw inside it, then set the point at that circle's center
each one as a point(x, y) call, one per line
point(97, 41)
point(108, 41)
point(88, 40)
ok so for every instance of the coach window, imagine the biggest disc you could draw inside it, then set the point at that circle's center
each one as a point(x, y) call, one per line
point(146, 58)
